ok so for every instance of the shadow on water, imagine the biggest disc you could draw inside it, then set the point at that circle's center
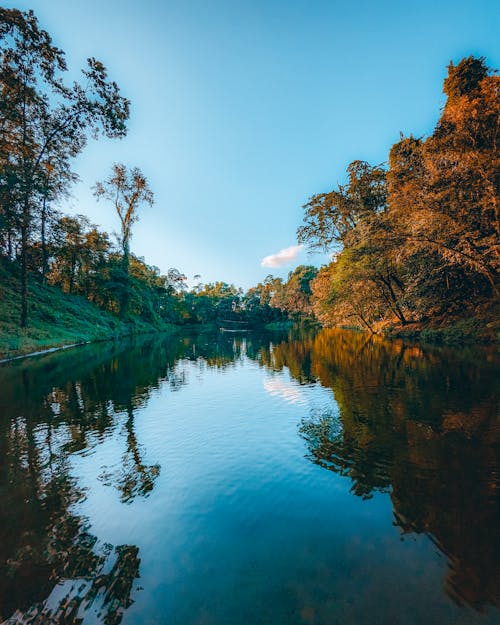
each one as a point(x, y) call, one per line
point(418, 423)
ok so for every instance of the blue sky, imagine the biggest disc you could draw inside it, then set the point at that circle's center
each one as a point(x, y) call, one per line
point(242, 110)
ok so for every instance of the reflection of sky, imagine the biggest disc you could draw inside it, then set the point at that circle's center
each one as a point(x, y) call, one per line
point(240, 524)
point(288, 391)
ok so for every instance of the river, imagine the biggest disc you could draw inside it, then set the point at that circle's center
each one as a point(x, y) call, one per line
point(328, 478)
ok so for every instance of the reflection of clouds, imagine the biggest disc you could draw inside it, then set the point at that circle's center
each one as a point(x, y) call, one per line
point(291, 393)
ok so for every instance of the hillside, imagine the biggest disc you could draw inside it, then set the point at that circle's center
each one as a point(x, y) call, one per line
point(56, 318)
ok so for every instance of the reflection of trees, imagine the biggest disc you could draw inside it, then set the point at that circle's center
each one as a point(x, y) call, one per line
point(421, 424)
point(295, 354)
point(61, 404)
point(69, 402)
point(417, 423)
point(133, 478)
point(107, 593)
point(44, 543)
point(337, 450)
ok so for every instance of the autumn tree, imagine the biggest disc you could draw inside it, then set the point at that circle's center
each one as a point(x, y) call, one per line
point(330, 219)
point(421, 239)
point(294, 296)
point(443, 196)
point(462, 160)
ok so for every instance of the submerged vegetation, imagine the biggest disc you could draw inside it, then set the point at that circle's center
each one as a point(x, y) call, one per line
point(414, 244)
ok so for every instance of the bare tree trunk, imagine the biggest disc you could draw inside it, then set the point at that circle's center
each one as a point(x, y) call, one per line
point(24, 264)
point(72, 273)
point(124, 299)
point(44, 244)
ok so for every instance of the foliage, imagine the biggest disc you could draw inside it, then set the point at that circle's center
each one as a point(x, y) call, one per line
point(419, 241)
point(411, 243)
point(44, 123)
point(294, 296)
point(57, 318)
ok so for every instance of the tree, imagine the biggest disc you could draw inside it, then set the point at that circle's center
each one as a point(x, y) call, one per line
point(41, 117)
point(294, 297)
point(70, 249)
point(127, 189)
point(423, 238)
point(175, 281)
point(346, 293)
point(330, 219)
point(444, 191)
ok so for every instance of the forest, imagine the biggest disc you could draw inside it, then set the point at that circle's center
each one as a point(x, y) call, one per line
point(417, 240)
point(414, 242)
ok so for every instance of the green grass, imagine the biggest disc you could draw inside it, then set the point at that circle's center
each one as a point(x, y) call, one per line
point(55, 318)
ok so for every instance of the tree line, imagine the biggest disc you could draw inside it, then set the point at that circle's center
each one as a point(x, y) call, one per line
point(417, 239)
point(412, 240)
point(44, 124)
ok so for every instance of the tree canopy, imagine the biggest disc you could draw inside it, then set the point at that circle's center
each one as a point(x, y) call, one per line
point(417, 238)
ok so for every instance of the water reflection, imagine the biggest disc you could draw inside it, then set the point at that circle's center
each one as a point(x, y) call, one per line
point(52, 568)
point(419, 424)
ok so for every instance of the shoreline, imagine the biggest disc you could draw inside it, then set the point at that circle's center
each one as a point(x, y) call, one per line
point(450, 336)
point(53, 346)
point(49, 350)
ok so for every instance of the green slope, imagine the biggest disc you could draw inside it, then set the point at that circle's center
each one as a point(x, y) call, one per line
point(55, 318)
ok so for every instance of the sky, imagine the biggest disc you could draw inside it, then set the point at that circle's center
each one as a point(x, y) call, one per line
point(241, 110)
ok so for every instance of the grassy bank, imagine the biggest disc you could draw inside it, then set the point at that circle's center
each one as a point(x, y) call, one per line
point(55, 319)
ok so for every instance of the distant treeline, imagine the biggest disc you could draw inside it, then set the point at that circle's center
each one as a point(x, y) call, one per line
point(44, 125)
point(410, 242)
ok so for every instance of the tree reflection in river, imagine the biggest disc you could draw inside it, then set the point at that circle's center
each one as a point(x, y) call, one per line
point(51, 567)
point(418, 423)
point(421, 424)
point(51, 408)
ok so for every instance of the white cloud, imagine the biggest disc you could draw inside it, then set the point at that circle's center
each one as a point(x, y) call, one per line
point(283, 257)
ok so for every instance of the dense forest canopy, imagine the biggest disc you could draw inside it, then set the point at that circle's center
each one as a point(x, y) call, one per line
point(417, 239)
point(412, 240)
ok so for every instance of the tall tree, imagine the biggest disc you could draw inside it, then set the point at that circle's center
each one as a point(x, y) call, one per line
point(127, 189)
point(444, 191)
point(330, 219)
point(40, 116)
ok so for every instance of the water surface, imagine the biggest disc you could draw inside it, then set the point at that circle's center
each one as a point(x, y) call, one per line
point(262, 479)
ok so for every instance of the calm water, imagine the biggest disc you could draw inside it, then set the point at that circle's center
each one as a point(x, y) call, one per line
point(266, 479)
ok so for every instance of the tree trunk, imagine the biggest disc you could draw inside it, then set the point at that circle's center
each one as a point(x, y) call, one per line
point(44, 245)
point(24, 265)
point(125, 293)
point(391, 298)
point(72, 273)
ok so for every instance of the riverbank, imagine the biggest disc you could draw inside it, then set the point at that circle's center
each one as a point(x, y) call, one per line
point(480, 329)
point(57, 319)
